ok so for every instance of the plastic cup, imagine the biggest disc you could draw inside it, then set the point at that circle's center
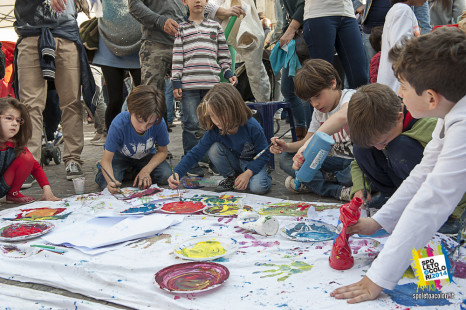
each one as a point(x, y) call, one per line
point(263, 225)
point(78, 184)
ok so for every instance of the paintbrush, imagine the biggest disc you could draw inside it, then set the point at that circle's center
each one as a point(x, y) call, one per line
point(173, 173)
point(268, 146)
point(111, 179)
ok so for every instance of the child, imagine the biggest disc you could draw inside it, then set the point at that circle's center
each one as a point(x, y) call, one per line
point(431, 71)
point(16, 162)
point(319, 82)
point(376, 41)
point(137, 138)
point(200, 43)
point(232, 140)
point(400, 24)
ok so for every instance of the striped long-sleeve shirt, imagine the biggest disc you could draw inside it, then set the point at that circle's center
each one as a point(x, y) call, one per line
point(196, 51)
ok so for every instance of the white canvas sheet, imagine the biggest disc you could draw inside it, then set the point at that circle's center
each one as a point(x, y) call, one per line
point(265, 272)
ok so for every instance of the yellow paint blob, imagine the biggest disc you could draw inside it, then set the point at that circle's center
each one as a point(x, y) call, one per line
point(203, 249)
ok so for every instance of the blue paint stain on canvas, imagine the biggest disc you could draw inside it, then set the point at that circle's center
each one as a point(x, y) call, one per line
point(378, 234)
point(403, 295)
point(463, 305)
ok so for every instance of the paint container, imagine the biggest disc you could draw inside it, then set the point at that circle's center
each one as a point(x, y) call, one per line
point(341, 257)
point(78, 184)
point(263, 225)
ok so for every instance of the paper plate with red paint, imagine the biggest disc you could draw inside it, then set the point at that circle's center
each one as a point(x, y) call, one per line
point(24, 231)
point(182, 207)
point(192, 277)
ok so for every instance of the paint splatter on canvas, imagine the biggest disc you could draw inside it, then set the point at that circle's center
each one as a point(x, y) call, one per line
point(13, 251)
point(216, 200)
point(286, 209)
point(284, 271)
point(151, 241)
point(39, 214)
point(403, 295)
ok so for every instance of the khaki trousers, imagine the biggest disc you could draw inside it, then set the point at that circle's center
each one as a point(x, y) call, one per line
point(33, 93)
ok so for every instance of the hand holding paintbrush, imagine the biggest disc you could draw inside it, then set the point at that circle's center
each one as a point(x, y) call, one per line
point(112, 189)
point(270, 145)
point(174, 180)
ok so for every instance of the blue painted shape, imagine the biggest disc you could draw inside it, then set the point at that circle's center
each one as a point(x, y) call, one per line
point(403, 295)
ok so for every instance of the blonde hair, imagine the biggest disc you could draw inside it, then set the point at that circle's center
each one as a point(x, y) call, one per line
point(225, 101)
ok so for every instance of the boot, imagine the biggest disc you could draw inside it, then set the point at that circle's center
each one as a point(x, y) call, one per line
point(301, 132)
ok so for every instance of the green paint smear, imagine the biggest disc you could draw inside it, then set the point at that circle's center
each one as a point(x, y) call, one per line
point(203, 249)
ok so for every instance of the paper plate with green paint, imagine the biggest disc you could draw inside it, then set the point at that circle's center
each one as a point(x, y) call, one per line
point(308, 231)
point(205, 248)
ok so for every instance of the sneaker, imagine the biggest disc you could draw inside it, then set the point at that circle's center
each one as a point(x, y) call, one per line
point(17, 197)
point(58, 138)
point(196, 171)
point(291, 186)
point(278, 114)
point(99, 142)
point(171, 125)
point(345, 194)
point(28, 183)
point(227, 184)
point(73, 170)
point(96, 137)
point(212, 169)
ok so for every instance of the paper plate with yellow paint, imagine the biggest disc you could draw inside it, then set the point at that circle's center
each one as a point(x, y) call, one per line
point(205, 248)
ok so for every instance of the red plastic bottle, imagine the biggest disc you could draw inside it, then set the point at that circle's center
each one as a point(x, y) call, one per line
point(341, 257)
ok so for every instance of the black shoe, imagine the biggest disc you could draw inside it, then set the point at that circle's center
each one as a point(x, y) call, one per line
point(196, 171)
point(227, 184)
point(212, 169)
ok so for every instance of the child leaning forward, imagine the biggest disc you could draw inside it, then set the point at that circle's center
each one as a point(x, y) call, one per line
point(232, 139)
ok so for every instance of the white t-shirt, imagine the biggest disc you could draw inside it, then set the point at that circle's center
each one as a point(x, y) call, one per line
point(400, 22)
point(424, 200)
point(320, 8)
point(343, 146)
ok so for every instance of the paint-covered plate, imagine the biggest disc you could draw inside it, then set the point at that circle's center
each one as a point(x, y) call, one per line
point(143, 209)
point(191, 277)
point(205, 248)
point(182, 207)
point(308, 231)
point(24, 231)
point(222, 210)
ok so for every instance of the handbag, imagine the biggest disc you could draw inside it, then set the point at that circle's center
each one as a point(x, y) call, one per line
point(301, 46)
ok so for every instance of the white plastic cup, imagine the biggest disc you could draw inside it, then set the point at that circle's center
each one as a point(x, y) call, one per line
point(78, 184)
point(263, 225)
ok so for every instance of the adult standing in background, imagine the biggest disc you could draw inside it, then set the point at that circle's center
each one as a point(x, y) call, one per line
point(445, 12)
point(49, 29)
point(119, 44)
point(330, 25)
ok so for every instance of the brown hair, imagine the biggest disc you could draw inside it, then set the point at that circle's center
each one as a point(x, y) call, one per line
point(225, 101)
point(436, 61)
point(25, 130)
point(314, 76)
point(375, 38)
point(145, 100)
point(372, 111)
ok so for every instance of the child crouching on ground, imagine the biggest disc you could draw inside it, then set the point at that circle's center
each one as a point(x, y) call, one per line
point(137, 139)
point(232, 139)
point(431, 71)
point(319, 82)
point(16, 162)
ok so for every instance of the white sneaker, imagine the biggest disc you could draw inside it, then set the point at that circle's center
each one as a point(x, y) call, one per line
point(345, 194)
point(73, 170)
point(278, 114)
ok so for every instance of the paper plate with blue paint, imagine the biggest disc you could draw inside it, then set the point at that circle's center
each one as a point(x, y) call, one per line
point(205, 248)
point(309, 231)
point(147, 208)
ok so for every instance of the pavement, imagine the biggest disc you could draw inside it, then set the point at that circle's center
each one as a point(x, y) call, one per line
point(63, 188)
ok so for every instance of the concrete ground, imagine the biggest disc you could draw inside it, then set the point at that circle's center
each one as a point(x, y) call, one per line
point(91, 154)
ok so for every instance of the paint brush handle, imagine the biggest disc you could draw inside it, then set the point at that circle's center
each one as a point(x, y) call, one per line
point(111, 179)
point(174, 178)
point(270, 144)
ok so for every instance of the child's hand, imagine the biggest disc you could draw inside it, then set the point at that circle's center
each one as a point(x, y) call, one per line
point(278, 145)
point(233, 80)
point(143, 179)
point(364, 226)
point(298, 159)
point(362, 290)
point(114, 188)
point(48, 195)
point(174, 182)
point(360, 194)
point(178, 93)
point(242, 181)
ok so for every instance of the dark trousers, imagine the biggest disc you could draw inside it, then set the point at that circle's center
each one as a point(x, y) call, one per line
point(388, 168)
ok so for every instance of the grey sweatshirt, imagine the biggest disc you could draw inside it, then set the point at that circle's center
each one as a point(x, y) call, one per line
point(153, 14)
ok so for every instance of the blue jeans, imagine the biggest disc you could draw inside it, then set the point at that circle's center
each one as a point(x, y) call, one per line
point(121, 163)
point(189, 121)
point(325, 34)
point(229, 165)
point(302, 112)
point(368, 51)
point(169, 100)
point(388, 168)
point(339, 166)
